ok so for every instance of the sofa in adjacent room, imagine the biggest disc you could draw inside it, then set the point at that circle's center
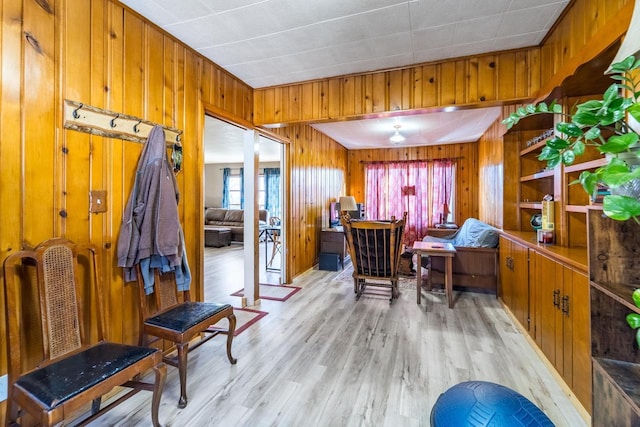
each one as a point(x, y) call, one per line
point(233, 219)
point(476, 262)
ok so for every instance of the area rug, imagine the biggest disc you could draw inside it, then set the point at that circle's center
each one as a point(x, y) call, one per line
point(272, 292)
point(404, 282)
point(246, 317)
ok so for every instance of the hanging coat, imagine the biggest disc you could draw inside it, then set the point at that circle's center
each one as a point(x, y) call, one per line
point(150, 234)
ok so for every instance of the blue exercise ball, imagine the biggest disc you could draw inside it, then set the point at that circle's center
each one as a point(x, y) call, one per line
point(485, 404)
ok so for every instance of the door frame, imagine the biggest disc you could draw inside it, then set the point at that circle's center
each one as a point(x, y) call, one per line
point(215, 112)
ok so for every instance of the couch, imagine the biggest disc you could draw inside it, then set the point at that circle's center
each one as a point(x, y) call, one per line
point(476, 262)
point(215, 218)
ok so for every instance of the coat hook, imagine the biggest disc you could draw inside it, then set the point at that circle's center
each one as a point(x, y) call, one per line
point(176, 158)
point(136, 129)
point(75, 112)
point(113, 121)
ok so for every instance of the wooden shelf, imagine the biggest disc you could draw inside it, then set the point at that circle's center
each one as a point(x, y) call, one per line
point(576, 208)
point(538, 146)
point(543, 174)
point(625, 375)
point(620, 293)
point(529, 205)
point(578, 167)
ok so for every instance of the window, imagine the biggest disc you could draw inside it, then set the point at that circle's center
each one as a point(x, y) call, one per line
point(232, 192)
point(262, 194)
point(423, 189)
point(235, 192)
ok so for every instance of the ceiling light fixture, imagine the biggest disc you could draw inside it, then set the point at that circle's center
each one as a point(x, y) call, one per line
point(396, 138)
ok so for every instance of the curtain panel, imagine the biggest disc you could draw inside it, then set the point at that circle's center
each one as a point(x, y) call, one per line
point(225, 187)
point(421, 188)
point(272, 191)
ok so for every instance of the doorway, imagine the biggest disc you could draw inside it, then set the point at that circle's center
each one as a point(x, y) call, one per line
point(224, 187)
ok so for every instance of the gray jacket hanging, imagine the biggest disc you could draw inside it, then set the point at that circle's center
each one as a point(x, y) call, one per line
point(150, 224)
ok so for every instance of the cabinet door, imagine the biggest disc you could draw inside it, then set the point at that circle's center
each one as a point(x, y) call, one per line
point(548, 284)
point(577, 335)
point(514, 279)
point(520, 295)
point(506, 272)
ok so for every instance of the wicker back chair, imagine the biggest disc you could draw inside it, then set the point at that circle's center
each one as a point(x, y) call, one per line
point(73, 371)
point(375, 248)
point(169, 314)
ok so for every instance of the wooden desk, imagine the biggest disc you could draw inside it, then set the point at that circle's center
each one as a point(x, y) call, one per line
point(332, 241)
point(434, 249)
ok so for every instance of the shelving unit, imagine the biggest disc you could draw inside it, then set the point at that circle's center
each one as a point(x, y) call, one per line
point(522, 146)
point(535, 181)
point(572, 297)
point(613, 269)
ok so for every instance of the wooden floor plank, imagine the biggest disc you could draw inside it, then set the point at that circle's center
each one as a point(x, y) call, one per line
point(322, 358)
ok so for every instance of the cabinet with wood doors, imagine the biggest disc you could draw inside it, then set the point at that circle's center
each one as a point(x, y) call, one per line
point(514, 279)
point(546, 288)
point(560, 311)
point(614, 270)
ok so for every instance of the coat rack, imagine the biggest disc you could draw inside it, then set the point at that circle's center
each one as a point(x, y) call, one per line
point(96, 121)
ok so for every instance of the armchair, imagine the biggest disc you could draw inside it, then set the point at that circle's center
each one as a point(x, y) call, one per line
point(375, 248)
point(476, 262)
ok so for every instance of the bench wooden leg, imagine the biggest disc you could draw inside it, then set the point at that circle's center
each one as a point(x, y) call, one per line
point(232, 329)
point(183, 350)
point(160, 371)
point(95, 405)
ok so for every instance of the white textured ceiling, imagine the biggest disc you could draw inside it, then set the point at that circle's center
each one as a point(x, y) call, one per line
point(273, 42)
point(419, 129)
point(224, 142)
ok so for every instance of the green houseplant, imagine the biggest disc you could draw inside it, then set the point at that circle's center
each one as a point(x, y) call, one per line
point(602, 123)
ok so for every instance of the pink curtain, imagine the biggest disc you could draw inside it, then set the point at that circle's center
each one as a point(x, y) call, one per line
point(393, 188)
point(442, 177)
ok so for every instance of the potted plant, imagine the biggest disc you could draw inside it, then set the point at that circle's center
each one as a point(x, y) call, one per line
point(604, 124)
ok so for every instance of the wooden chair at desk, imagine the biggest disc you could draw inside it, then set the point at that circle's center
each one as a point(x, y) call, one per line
point(73, 373)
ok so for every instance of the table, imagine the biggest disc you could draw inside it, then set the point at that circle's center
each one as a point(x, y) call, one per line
point(217, 236)
point(269, 231)
point(435, 249)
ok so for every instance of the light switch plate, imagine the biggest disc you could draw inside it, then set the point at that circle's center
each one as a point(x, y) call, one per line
point(3, 388)
point(97, 201)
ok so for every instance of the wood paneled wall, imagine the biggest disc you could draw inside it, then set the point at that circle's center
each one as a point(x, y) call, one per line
point(101, 54)
point(474, 81)
point(491, 172)
point(587, 28)
point(466, 156)
point(317, 168)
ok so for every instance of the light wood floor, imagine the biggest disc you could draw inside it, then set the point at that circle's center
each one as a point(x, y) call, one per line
point(323, 359)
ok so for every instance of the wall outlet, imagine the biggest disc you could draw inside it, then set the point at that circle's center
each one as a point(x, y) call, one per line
point(3, 388)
